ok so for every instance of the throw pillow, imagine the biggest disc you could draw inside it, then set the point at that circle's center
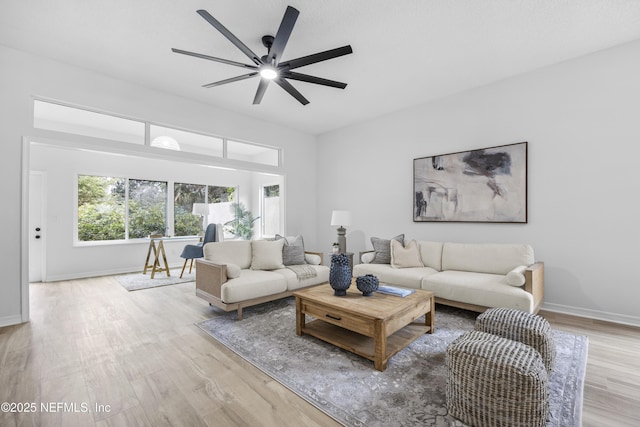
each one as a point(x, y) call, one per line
point(233, 271)
point(266, 254)
point(367, 257)
point(293, 250)
point(405, 256)
point(516, 276)
point(313, 259)
point(382, 249)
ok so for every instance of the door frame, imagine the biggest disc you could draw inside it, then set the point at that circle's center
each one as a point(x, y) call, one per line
point(24, 231)
point(42, 222)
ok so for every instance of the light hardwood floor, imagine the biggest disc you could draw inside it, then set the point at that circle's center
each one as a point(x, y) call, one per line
point(90, 342)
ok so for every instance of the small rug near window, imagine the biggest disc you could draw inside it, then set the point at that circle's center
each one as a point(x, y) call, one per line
point(137, 281)
point(410, 392)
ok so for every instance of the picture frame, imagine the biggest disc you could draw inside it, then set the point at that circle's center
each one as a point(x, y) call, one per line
point(483, 185)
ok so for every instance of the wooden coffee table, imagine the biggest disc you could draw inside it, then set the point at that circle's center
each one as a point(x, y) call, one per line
point(374, 327)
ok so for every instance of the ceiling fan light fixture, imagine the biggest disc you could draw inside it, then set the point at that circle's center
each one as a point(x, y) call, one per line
point(270, 66)
point(268, 72)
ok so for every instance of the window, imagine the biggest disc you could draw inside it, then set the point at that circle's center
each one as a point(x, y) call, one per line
point(147, 208)
point(221, 200)
point(119, 208)
point(185, 223)
point(101, 208)
point(270, 210)
point(60, 118)
point(253, 153)
point(174, 139)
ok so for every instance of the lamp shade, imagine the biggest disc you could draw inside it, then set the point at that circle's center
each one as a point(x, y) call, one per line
point(341, 218)
point(200, 209)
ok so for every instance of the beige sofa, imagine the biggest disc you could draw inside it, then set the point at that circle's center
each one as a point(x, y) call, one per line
point(240, 273)
point(469, 276)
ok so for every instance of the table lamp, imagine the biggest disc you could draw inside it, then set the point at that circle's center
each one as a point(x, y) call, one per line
point(341, 218)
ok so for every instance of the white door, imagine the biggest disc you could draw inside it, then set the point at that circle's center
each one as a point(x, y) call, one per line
point(36, 232)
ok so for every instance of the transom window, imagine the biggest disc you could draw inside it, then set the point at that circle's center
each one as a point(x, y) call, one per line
point(62, 118)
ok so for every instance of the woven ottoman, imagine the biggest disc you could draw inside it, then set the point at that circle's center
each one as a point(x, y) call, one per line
point(495, 381)
point(518, 325)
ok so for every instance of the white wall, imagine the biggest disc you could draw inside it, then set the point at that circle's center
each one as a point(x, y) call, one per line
point(582, 121)
point(23, 76)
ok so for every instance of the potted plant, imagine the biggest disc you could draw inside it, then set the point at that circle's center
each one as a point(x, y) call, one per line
point(242, 224)
point(336, 247)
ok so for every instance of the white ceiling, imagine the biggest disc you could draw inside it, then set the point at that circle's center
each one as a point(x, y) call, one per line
point(405, 52)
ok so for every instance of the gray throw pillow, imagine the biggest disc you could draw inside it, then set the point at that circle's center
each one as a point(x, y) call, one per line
point(382, 249)
point(293, 250)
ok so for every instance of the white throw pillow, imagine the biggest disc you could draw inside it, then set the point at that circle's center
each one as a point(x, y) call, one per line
point(266, 254)
point(367, 257)
point(516, 276)
point(233, 271)
point(405, 256)
point(313, 259)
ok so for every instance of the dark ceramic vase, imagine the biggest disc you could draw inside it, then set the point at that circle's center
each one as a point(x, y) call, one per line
point(340, 274)
point(367, 284)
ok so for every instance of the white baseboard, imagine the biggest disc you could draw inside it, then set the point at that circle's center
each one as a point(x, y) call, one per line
point(10, 320)
point(87, 274)
point(592, 314)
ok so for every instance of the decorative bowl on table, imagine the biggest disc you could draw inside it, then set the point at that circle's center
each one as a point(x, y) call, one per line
point(367, 284)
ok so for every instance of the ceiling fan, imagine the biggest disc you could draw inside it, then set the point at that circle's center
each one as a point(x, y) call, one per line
point(271, 67)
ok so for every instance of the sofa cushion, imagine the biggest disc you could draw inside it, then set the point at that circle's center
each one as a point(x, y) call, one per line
point(488, 290)
point(229, 252)
point(382, 249)
point(431, 254)
point(492, 258)
point(293, 250)
point(405, 256)
point(266, 254)
point(252, 284)
point(405, 277)
point(293, 283)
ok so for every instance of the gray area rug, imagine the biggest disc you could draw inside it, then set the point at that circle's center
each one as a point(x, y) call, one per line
point(410, 392)
point(137, 281)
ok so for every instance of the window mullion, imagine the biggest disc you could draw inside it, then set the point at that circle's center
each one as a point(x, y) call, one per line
point(126, 209)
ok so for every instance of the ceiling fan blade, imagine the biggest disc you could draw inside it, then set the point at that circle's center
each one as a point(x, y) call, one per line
point(312, 79)
point(262, 88)
point(316, 57)
point(282, 36)
point(292, 90)
point(231, 80)
point(213, 58)
point(229, 35)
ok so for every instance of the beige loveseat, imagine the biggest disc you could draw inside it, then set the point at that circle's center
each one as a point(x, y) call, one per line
point(240, 273)
point(470, 276)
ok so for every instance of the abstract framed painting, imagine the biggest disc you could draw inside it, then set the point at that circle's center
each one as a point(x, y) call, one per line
point(484, 185)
